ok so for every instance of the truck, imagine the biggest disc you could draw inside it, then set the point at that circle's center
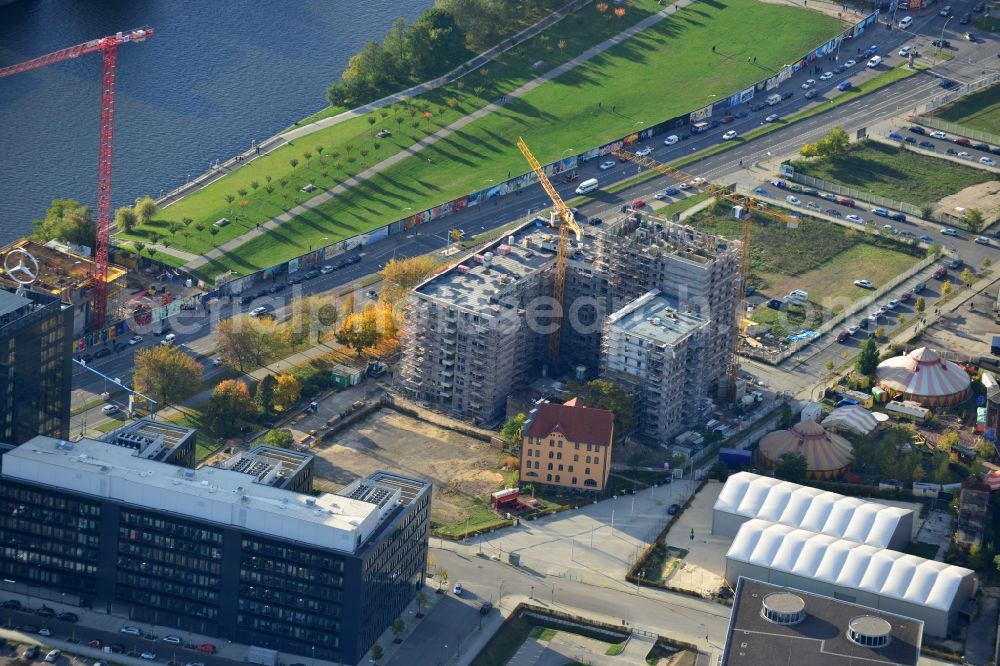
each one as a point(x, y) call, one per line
point(907, 409)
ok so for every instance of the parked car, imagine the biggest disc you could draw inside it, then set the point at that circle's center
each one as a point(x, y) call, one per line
point(905, 51)
point(645, 150)
point(809, 83)
point(881, 212)
point(917, 129)
point(945, 11)
point(896, 136)
point(172, 639)
point(457, 589)
point(946, 83)
point(53, 656)
point(32, 652)
point(898, 217)
point(826, 76)
point(850, 63)
point(948, 231)
point(941, 43)
point(607, 165)
point(864, 284)
point(670, 140)
point(905, 22)
point(148, 655)
point(982, 240)
point(811, 93)
point(673, 509)
point(485, 608)
point(927, 144)
point(45, 611)
point(773, 118)
point(938, 135)
point(96, 644)
point(130, 630)
point(962, 141)
point(905, 297)
point(988, 161)
point(857, 219)
point(731, 134)
point(12, 604)
point(844, 85)
point(919, 287)
point(44, 631)
point(66, 616)
point(760, 191)
point(794, 200)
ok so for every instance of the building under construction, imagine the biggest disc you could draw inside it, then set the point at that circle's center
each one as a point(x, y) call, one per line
point(70, 277)
point(479, 331)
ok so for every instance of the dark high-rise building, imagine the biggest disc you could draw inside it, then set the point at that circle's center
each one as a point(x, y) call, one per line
point(212, 551)
point(36, 366)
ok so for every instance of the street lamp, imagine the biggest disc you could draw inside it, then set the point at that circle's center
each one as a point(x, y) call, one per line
point(942, 36)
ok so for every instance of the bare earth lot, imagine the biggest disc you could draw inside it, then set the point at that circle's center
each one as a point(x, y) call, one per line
point(460, 467)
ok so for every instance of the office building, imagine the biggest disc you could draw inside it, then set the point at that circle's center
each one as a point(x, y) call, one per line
point(568, 445)
point(281, 468)
point(212, 551)
point(771, 624)
point(36, 366)
point(157, 440)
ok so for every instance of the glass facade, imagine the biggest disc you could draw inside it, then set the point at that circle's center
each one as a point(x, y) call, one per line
point(49, 539)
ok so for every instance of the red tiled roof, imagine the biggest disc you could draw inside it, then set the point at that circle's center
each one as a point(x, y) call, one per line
point(576, 422)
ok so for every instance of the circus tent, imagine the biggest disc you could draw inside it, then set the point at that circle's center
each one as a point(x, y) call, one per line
point(827, 455)
point(855, 418)
point(923, 376)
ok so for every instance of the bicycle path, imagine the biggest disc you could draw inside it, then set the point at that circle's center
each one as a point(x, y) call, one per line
point(437, 136)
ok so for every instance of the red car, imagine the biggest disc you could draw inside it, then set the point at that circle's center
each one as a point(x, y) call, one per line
point(207, 648)
point(905, 297)
point(638, 203)
point(963, 142)
point(727, 120)
point(844, 201)
point(96, 644)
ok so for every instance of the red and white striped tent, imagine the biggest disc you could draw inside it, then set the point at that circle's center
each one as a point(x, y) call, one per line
point(923, 376)
point(827, 454)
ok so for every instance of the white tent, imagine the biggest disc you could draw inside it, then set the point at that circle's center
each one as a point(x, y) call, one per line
point(876, 577)
point(854, 418)
point(747, 496)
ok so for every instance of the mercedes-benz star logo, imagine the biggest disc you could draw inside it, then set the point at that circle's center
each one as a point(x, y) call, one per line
point(20, 266)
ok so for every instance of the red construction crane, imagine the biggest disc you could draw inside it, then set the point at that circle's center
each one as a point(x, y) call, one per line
point(108, 46)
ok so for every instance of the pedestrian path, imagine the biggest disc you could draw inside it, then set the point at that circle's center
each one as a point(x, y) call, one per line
point(436, 137)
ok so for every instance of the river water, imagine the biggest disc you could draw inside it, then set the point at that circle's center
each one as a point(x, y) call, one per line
point(216, 75)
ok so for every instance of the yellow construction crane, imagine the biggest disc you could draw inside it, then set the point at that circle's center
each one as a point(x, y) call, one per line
point(750, 204)
point(567, 224)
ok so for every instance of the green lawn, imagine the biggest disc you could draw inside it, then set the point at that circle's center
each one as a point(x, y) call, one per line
point(637, 83)
point(895, 173)
point(338, 162)
point(819, 257)
point(978, 111)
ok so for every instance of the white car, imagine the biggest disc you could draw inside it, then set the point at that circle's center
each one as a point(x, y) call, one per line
point(130, 630)
point(458, 589)
point(982, 240)
point(670, 140)
point(850, 63)
point(606, 165)
point(109, 410)
point(645, 150)
point(988, 161)
point(892, 304)
point(905, 22)
point(44, 631)
point(135, 339)
point(857, 219)
point(698, 180)
point(773, 118)
point(826, 76)
point(945, 11)
point(948, 231)
point(875, 61)
point(794, 200)
point(660, 196)
point(965, 156)
point(809, 84)
point(148, 656)
point(873, 317)
point(687, 186)
point(53, 656)
point(905, 51)
point(326, 269)
point(938, 135)
point(851, 330)
point(864, 284)
point(731, 134)
point(172, 639)
point(258, 311)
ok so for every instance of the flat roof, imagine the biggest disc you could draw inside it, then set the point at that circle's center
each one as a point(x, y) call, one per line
point(153, 439)
point(267, 464)
point(59, 270)
point(480, 283)
point(655, 317)
point(820, 639)
point(107, 471)
point(11, 302)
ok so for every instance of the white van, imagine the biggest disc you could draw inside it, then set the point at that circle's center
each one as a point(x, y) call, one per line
point(587, 186)
point(875, 61)
point(773, 99)
point(905, 22)
point(798, 296)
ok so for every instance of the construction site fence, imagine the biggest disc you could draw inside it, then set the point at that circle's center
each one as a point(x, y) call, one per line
point(959, 91)
point(856, 194)
point(777, 356)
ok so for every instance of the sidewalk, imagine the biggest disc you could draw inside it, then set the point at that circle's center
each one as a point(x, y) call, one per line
point(434, 138)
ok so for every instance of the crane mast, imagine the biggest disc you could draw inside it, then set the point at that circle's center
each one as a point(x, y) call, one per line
point(567, 224)
point(108, 46)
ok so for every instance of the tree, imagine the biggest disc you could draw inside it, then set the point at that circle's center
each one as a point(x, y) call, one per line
point(920, 305)
point(376, 652)
point(125, 219)
point(602, 394)
point(281, 438)
point(245, 343)
point(985, 449)
point(948, 441)
point(166, 374)
point(830, 365)
point(139, 247)
point(286, 392)
point(437, 44)
point(229, 406)
point(791, 467)
point(935, 249)
point(512, 430)
point(401, 275)
point(868, 358)
point(942, 469)
point(835, 144)
point(367, 328)
point(398, 627)
point(264, 397)
point(968, 276)
point(294, 162)
point(946, 288)
point(443, 576)
point(974, 220)
point(310, 315)
point(145, 209)
point(986, 262)
point(66, 220)
point(421, 597)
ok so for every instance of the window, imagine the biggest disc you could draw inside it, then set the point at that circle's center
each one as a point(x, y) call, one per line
point(550, 466)
point(557, 478)
point(570, 468)
point(552, 442)
point(560, 467)
point(576, 457)
point(552, 454)
point(559, 443)
point(574, 480)
point(589, 447)
point(536, 464)
point(559, 455)
point(586, 470)
point(548, 477)
point(576, 446)
point(588, 459)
